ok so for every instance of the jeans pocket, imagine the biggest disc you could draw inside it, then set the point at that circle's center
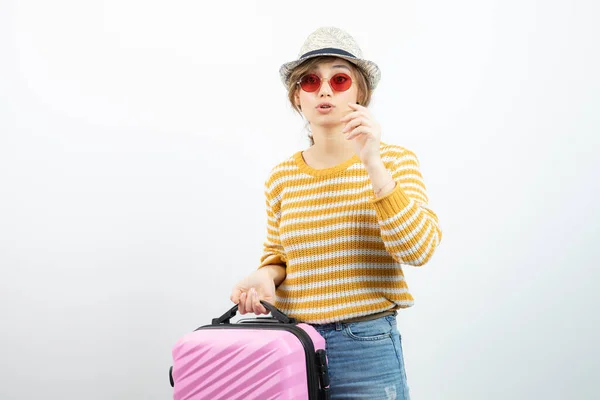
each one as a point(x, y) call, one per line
point(377, 329)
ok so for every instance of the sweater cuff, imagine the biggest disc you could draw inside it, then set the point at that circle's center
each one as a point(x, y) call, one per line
point(392, 203)
point(272, 259)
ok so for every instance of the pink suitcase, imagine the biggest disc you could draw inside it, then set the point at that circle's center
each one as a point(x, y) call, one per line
point(261, 358)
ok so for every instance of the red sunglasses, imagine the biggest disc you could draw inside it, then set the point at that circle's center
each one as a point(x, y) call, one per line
point(339, 82)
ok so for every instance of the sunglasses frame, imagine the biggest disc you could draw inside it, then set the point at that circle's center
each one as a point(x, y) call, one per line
point(321, 80)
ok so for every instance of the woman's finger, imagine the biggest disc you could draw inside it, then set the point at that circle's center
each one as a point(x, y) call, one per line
point(350, 116)
point(258, 308)
point(355, 114)
point(356, 122)
point(262, 309)
point(361, 130)
point(253, 298)
point(356, 106)
point(242, 304)
point(248, 304)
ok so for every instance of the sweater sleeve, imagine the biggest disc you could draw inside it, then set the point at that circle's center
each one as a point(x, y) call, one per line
point(273, 252)
point(409, 228)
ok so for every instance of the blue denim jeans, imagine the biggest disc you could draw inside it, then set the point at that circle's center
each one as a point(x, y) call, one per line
point(365, 360)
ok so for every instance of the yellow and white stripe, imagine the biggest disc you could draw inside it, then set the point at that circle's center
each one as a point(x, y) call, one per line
point(343, 250)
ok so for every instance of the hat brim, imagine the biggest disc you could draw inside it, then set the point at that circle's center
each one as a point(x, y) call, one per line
point(371, 70)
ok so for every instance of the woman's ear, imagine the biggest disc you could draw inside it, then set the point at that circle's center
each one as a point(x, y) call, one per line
point(297, 100)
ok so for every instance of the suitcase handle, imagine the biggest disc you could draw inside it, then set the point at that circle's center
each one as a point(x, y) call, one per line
point(278, 315)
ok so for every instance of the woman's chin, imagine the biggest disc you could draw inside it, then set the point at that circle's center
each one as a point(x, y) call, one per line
point(325, 121)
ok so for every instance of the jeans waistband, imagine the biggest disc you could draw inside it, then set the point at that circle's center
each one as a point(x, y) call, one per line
point(340, 324)
point(370, 317)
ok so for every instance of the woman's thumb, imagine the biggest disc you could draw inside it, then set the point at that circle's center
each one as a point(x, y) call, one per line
point(235, 295)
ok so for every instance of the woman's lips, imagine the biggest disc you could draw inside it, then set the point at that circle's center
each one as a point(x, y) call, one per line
point(325, 108)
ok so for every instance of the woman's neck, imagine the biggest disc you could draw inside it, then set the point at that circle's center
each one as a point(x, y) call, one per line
point(330, 145)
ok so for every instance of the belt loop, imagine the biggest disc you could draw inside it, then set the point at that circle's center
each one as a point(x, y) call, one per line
point(338, 326)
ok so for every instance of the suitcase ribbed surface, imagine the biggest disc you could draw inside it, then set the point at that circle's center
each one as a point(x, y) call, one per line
point(239, 364)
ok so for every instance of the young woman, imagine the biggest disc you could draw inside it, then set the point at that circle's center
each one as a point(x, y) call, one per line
point(344, 216)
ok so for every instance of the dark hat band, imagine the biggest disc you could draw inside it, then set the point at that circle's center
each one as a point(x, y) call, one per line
point(329, 50)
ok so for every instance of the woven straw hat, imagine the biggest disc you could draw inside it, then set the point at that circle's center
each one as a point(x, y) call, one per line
point(331, 41)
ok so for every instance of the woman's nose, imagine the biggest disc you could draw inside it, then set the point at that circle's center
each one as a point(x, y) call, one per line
point(325, 89)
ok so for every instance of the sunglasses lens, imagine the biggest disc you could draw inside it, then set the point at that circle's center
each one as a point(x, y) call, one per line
point(310, 83)
point(340, 82)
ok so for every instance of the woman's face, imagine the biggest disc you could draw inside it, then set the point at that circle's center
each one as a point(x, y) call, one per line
point(326, 106)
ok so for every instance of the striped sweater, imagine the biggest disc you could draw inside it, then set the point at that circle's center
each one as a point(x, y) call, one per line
point(343, 249)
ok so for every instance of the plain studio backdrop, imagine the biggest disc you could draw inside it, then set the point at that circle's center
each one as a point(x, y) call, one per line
point(135, 138)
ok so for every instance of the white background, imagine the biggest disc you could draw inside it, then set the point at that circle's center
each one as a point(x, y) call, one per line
point(135, 137)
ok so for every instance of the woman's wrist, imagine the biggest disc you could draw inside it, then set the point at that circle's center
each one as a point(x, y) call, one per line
point(382, 180)
point(385, 189)
point(275, 272)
